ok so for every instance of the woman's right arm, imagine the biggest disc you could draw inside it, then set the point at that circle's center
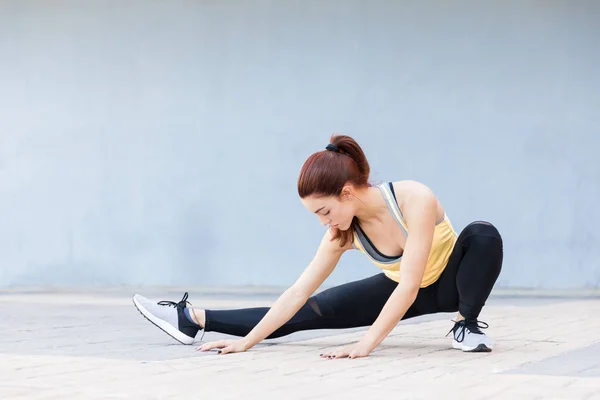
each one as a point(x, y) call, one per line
point(287, 305)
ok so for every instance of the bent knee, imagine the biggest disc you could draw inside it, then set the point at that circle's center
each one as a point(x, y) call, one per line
point(481, 229)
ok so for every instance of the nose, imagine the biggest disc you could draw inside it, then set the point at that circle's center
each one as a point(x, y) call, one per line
point(324, 221)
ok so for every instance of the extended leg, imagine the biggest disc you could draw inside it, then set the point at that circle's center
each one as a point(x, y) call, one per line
point(349, 305)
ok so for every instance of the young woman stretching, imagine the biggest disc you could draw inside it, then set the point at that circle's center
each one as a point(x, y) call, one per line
point(401, 227)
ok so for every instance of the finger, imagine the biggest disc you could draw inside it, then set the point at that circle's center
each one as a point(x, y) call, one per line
point(333, 353)
point(339, 354)
point(357, 354)
point(325, 354)
point(207, 346)
point(212, 345)
point(202, 347)
point(226, 350)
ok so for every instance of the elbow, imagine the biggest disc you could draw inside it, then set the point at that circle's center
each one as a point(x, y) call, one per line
point(414, 291)
point(411, 290)
point(297, 295)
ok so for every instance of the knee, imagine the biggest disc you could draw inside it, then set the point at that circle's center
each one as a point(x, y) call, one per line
point(485, 237)
point(482, 229)
point(312, 302)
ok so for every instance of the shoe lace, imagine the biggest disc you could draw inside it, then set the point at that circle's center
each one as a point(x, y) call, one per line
point(473, 325)
point(182, 303)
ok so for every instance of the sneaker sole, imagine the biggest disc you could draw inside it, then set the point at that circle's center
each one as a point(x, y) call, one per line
point(163, 325)
point(481, 348)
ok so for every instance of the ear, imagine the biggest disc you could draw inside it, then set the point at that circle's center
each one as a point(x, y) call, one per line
point(347, 193)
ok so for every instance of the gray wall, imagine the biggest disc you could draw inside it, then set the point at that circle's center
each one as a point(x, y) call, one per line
point(159, 142)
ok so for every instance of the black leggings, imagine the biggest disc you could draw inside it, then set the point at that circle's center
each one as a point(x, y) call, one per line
point(464, 286)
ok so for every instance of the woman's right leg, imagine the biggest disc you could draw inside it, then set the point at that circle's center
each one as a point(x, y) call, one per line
point(350, 305)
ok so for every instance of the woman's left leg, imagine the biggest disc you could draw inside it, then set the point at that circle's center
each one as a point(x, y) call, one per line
point(467, 282)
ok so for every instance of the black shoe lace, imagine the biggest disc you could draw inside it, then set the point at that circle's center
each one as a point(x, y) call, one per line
point(181, 303)
point(472, 325)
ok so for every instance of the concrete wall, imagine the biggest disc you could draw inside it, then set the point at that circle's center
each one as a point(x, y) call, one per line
point(155, 142)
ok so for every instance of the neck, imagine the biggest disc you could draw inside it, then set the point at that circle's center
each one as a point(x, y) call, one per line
point(370, 205)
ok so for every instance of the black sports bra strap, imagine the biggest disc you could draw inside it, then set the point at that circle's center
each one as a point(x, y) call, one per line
point(392, 189)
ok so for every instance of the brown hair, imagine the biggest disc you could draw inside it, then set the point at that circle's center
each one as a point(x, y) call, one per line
point(326, 172)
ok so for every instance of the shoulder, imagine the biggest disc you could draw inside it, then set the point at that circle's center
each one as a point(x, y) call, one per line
point(412, 190)
point(416, 200)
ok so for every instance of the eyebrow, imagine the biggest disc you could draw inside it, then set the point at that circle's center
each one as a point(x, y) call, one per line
point(319, 209)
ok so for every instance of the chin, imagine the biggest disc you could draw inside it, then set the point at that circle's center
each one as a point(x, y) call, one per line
point(343, 227)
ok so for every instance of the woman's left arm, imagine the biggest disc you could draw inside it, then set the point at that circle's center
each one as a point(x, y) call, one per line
point(419, 211)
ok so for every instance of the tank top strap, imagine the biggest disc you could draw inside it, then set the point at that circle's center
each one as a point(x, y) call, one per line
point(390, 199)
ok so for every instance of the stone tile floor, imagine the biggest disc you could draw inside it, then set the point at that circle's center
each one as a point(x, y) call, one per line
point(63, 344)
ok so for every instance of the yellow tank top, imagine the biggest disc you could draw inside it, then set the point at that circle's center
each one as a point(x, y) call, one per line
point(444, 238)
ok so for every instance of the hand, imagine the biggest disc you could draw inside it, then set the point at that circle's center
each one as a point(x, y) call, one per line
point(356, 350)
point(225, 346)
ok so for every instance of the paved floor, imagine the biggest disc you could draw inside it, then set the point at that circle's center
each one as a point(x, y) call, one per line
point(95, 345)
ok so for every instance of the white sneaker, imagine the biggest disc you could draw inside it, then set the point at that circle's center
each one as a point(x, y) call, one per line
point(168, 316)
point(468, 336)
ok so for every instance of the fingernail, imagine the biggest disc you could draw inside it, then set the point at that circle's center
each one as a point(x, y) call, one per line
point(218, 351)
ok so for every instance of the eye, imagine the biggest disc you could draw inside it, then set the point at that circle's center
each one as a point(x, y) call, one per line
point(327, 213)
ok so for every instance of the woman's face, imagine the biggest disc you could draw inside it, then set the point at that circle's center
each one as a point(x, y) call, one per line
point(337, 212)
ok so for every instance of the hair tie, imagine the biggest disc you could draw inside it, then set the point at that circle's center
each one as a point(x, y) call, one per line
point(332, 147)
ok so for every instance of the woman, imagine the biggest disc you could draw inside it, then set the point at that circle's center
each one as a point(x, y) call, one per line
point(401, 227)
